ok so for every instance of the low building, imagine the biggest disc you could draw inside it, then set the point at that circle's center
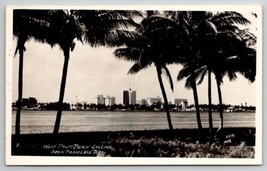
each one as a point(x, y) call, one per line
point(153, 100)
point(144, 102)
point(181, 103)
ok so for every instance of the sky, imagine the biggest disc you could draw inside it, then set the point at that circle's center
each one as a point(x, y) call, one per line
point(96, 71)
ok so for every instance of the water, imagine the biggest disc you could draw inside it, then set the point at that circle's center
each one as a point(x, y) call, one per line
point(85, 121)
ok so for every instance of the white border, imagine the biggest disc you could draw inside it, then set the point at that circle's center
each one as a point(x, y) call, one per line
point(26, 160)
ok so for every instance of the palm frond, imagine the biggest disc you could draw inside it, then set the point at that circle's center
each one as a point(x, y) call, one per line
point(232, 76)
point(138, 66)
point(128, 54)
point(229, 18)
point(102, 26)
point(219, 76)
point(248, 37)
point(122, 37)
point(157, 22)
point(168, 75)
point(135, 68)
point(200, 73)
point(188, 82)
point(211, 27)
point(184, 72)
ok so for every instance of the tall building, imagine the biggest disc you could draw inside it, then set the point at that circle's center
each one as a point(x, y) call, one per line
point(129, 97)
point(105, 100)
point(110, 100)
point(133, 97)
point(101, 99)
point(126, 97)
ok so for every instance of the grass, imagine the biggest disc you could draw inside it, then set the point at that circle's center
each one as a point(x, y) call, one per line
point(186, 143)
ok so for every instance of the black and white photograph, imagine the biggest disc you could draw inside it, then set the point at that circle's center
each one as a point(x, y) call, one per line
point(134, 85)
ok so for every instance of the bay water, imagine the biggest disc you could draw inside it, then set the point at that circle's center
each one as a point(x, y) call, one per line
point(89, 121)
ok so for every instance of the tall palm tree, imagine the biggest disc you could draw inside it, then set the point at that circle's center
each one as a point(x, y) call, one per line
point(62, 27)
point(189, 26)
point(232, 52)
point(221, 30)
point(202, 29)
point(154, 42)
point(96, 27)
point(232, 56)
point(26, 25)
point(189, 72)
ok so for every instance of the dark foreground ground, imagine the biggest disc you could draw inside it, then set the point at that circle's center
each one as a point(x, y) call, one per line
point(229, 143)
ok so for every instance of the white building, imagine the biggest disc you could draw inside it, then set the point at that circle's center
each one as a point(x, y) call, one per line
point(101, 99)
point(152, 100)
point(106, 100)
point(183, 103)
point(110, 100)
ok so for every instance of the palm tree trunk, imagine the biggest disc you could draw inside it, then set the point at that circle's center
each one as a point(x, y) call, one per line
point(20, 88)
point(220, 102)
point(210, 103)
point(62, 89)
point(194, 88)
point(164, 98)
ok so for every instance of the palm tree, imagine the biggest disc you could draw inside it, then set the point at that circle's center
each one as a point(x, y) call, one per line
point(154, 42)
point(62, 27)
point(221, 30)
point(230, 54)
point(201, 27)
point(233, 56)
point(96, 27)
point(190, 74)
point(26, 25)
point(188, 22)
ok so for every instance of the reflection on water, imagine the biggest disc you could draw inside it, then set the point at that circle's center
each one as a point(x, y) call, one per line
point(81, 121)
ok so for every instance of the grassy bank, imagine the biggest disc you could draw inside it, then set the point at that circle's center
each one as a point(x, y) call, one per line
point(230, 142)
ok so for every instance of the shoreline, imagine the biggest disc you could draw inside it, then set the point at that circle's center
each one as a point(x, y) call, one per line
point(137, 111)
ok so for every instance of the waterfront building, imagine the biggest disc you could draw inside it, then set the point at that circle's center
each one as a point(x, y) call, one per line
point(126, 97)
point(144, 102)
point(110, 100)
point(133, 97)
point(106, 100)
point(129, 97)
point(152, 100)
point(101, 99)
point(183, 103)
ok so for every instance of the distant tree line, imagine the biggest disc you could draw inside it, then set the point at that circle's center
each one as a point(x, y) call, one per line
point(34, 105)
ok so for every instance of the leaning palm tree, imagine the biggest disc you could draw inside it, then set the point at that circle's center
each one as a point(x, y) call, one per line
point(234, 56)
point(189, 72)
point(96, 27)
point(153, 43)
point(26, 25)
